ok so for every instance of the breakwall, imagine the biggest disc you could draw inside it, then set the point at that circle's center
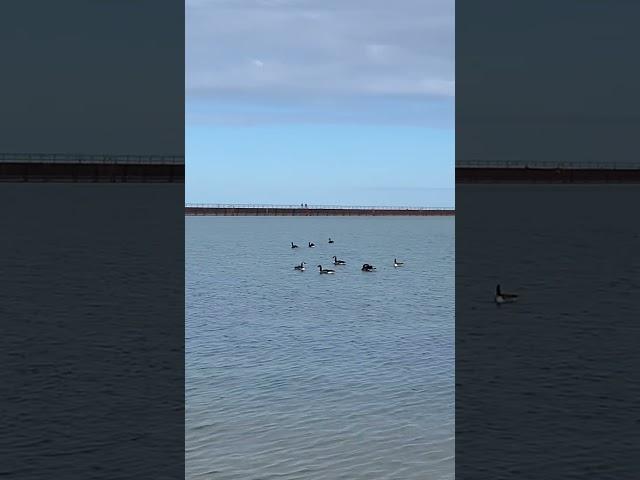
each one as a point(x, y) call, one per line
point(309, 212)
point(91, 172)
point(547, 175)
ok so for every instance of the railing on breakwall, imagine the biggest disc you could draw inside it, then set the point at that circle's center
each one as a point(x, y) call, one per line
point(310, 207)
point(77, 158)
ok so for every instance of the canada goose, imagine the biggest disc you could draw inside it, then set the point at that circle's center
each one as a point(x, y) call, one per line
point(368, 268)
point(311, 244)
point(293, 245)
point(396, 263)
point(325, 270)
point(504, 297)
point(338, 262)
point(330, 241)
point(300, 267)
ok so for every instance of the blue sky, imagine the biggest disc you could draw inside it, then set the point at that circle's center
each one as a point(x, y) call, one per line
point(324, 102)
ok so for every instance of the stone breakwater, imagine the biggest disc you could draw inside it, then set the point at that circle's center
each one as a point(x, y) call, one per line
point(77, 172)
point(308, 212)
point(497, 175)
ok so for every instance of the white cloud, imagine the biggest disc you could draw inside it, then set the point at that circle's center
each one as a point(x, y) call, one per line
point(319, 48)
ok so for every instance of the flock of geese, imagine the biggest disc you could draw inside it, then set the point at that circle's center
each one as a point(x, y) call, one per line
point(500, 296)
point(365, 267)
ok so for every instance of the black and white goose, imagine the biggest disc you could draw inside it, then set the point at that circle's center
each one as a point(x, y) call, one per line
point(330, 241)
point(325, 270)
point(338, 262)
point(396, 263)
point(293, 245)
point(368, 268)
point(300, 267)
point(311, 244)
point(504, 297)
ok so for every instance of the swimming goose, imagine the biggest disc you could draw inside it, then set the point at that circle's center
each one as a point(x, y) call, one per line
point(300, 267)
point(368, 268)
point(338, 262)
point(311, 244)
point(325, 270)
point(330, 241)
point(293, 246)
point(504, 297)
point(396, 263)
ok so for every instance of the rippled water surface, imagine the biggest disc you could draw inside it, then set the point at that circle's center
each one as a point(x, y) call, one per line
point(548, 387)
point(296, 375)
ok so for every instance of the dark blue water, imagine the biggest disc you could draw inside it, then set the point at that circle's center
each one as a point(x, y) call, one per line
point(92, 306)
point(547, 387)
point(300, 375)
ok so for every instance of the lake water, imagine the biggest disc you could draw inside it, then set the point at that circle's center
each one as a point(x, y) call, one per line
point(296, 375)
point(92, 309)
point(547, 387)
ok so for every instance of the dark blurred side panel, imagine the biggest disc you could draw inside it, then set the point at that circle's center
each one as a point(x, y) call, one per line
point(546, 206)
point(92, 209)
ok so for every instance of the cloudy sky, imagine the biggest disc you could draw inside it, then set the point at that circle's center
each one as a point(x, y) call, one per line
point(320, 101)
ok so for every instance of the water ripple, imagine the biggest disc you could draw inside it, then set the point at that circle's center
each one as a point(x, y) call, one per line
point(297, 375)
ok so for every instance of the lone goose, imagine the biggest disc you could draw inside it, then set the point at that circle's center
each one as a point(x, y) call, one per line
point(325, 270)
point(338, 262)
point(368, 268)
point(330, 241)
point(293, 245)
point(504, 297)
point(311, 244)
point(300, 267)
point(396, 263)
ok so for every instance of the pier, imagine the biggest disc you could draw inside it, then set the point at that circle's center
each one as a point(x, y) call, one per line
point(227, 210)
point(83, 168)
point(546, 173)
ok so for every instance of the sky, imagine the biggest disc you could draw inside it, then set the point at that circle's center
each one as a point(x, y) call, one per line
point(325, 102)
point(71, 85)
